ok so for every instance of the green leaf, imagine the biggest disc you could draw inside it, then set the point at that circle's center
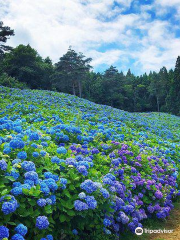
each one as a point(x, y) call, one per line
point(71, 213)
point(71, 187)
point(25, 191)
point(4, 192)
point(62, 218)
point(12, 223)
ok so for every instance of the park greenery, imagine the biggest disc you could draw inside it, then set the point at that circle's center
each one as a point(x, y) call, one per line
point(72, 169)
point(73, 74)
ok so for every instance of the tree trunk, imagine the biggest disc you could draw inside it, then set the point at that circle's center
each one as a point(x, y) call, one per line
point(74, 90)
point(80, 90)
point(158, 105)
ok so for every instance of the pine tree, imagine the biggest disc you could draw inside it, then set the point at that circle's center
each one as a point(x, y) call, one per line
point(70, 71)
point(5, 33)
point(175, 88)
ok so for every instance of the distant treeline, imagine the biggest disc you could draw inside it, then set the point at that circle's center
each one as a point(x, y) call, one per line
point(23, 67)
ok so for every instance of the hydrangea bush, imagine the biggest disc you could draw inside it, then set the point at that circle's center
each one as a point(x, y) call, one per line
point(72, 169)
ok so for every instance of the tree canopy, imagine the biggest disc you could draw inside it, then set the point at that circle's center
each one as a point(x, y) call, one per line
point(156, 91)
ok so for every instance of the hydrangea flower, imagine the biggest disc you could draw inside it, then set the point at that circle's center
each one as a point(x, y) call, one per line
point(42, 222)
point(89, 186)
point(106, 222)
point(43, 153)
point(34, 136)
point(41, 202)
point(4, 232)
point(21, 229)
point(80, 206)
point(82, 195)
point(35, 154)
point(7, 150)
point(49, 237)
point(105, 193)
point(28, 166)
point(22, 155)
point(9, 207)
point(3, 165)
point(75, 232)
point(17, 237)
point(158, 194)
point(91, 202)
point(16, 143)
point(61, 150)
point(31, 175)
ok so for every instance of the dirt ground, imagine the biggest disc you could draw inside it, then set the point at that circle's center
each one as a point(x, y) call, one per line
point(173, 222)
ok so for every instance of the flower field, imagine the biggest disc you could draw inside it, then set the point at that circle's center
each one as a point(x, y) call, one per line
point(73, 169)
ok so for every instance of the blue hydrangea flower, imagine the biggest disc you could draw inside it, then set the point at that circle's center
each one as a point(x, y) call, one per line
point(61, 150)
point(3, 165)
point(22, 155)
point(107, 231)
point(82, 195)
point(28, 166)
point(31, 175)
point(43, 153)
point(16, 184)
point(75, 232)
point(7, 150)
point(16, 143)
point(35, 154)
point(34, 145)
point(51, 184)
point(15, 161)
point(9, 207)
point(53, 199)
point(49, 237)
point(42, 222)
point(44, 144)
point(91, 202)
point(82, 170)
point(80, 206)
point(21, 229)
point(41, 202)
point(4, 232)
point(44, 188)
point(16, 191)
point(63, 181)
point(89, 186)
point(106, 222)
point(55, 160)
point(17, 237)
point(34, 136)
point(13, 174)
point(49, 201)
point(105, 193)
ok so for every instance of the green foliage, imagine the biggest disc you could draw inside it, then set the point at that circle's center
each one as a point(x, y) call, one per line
point(25, 64)
point(8, 81)
point(156, 91)
point(70, 71)
point(5, 33)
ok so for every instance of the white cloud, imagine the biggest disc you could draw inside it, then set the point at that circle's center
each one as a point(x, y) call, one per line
point(109, 57)
point(89, 25)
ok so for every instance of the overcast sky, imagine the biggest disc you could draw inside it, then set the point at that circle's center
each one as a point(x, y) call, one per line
point(141, 35)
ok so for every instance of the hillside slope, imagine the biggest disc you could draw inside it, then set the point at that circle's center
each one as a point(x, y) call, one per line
point(78, 170)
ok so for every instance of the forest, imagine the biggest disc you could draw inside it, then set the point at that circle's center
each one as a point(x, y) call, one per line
point(23, 67)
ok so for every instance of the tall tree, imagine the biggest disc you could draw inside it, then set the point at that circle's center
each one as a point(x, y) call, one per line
point(71, 68)
point(25, 64)
point(5, 33)
point(175, 88)
point(155, 89)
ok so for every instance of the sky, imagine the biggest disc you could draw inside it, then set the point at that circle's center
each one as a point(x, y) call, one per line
point(141, 35)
